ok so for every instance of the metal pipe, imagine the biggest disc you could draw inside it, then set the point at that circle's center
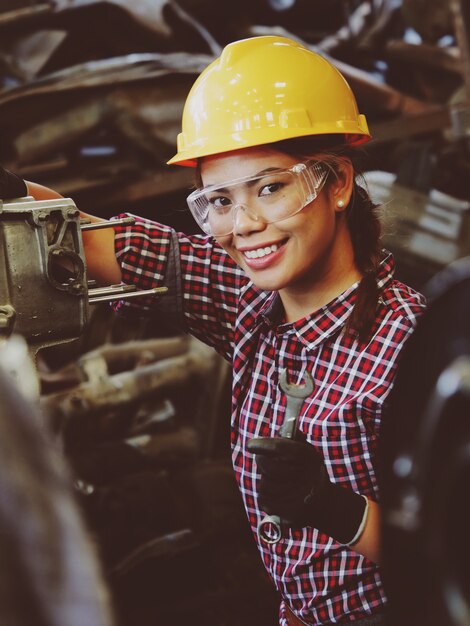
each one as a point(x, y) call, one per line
point(124, 356)
point(16, 15)
point(108, 392)
point(102, 291)
point(125, 296)
point(125, 221)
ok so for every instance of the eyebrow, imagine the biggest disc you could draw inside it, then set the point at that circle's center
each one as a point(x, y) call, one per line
point(249, 183)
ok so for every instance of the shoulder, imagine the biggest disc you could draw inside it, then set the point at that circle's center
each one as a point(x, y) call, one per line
point(402, 302)
point(397, 300)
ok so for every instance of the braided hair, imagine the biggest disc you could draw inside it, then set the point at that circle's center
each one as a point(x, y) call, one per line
point(365, 230)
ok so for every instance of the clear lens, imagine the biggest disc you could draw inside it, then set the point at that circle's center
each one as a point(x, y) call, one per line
point(271, 197)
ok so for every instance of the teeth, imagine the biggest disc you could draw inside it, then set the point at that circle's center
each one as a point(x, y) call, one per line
point(260, 252)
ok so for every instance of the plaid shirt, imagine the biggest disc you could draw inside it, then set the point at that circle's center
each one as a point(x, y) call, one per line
point(322, 581)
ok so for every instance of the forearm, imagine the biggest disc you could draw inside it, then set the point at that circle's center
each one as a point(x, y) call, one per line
point(39, 192)
point(348, 517)
point(369, 542)
point(102, 265)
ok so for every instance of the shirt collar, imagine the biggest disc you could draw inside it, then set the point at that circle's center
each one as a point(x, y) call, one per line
point(329, 319)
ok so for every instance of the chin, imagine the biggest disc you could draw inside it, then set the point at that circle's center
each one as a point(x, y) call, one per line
point(266, 283)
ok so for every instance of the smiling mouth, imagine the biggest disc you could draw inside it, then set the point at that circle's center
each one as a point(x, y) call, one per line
point(262, 251)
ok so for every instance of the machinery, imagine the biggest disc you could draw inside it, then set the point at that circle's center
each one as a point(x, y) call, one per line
point(44, 290)
point(426, 463)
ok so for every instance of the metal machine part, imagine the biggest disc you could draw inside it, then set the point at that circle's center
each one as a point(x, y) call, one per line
point(44, 291)
point(425, 231)
point(460, 113)
point(49, 570)
point(167, 364)
point(426, 463)
point(16, 362)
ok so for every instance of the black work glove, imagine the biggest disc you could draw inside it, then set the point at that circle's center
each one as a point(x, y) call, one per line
point(295, 486)
point(11, 185)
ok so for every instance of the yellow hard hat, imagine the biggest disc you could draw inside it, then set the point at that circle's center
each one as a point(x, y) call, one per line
point(263, 90)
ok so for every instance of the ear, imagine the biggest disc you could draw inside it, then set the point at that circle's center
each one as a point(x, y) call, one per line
point(341, 188)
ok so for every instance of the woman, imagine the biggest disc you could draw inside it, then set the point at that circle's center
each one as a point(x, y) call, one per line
point(289, 276)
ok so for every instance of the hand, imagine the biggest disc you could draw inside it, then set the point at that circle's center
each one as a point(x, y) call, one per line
point(294, 485)
point(11, 185)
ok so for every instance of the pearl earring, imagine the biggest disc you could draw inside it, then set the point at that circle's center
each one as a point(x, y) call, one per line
point(340, 204)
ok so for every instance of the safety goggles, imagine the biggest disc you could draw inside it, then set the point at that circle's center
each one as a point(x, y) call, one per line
point(269, 197)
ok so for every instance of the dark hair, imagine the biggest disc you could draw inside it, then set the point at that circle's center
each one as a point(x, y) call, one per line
point(362, 217)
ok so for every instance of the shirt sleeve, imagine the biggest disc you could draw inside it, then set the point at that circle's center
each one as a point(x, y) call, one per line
point(203, 281)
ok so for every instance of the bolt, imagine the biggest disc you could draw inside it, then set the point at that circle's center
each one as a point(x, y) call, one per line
point(76, 288)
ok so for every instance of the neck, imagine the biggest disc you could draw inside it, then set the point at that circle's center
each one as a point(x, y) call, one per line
point(337, 273)
point(300, 305)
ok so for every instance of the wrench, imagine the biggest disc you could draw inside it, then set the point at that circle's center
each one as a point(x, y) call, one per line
point(269, 529)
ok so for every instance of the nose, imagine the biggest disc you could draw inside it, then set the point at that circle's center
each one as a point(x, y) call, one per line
point(245, 220)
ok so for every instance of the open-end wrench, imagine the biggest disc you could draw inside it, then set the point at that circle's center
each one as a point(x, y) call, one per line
point(269, 529)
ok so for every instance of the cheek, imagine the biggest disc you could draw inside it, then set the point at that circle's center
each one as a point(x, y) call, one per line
point(319, 221)
point(305, 225)
point(227, 244)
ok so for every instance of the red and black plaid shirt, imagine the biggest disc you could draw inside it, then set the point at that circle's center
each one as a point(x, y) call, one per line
point(320, 579)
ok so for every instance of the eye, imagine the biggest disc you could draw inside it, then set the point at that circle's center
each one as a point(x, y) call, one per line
point(219, 203)
point(271, 188)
